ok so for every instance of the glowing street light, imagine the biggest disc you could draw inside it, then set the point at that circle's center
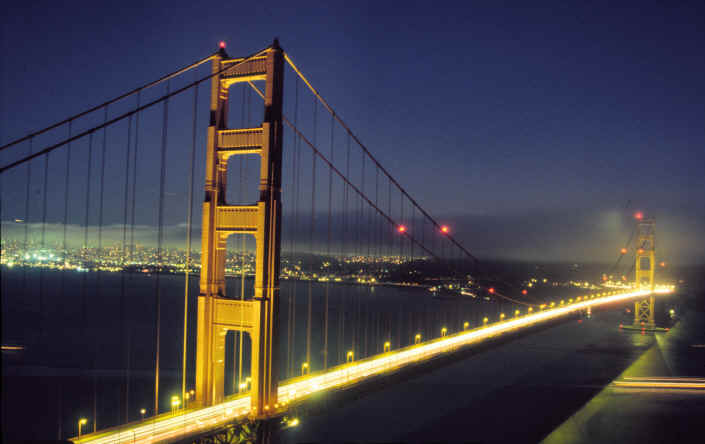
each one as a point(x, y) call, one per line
point(638, 215)
point(623, 250)
point(175, 403)
point(81, 423)
point(304, 368)
point(484, 321)
point(501, 316)
point(444, 331)
point(417, 338)
point(516, 313)
point(242, 387)
point(531, 309)
point(387, 346)
point(466, 325)
point(524, 292)
point(350, 356)
point(143, 412)
point(490, 290)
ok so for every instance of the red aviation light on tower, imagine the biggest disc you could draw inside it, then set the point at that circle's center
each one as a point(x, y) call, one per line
point(524, 291)
point(640, 251)
point(490, 290)
point(401, 228)
point(222, 44)
point(623, 251)
point(445, 229)
point(638, 215)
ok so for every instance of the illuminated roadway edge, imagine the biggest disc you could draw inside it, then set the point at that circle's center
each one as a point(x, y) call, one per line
point(174, 427)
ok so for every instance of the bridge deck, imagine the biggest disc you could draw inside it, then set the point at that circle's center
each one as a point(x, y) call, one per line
point(168, 427)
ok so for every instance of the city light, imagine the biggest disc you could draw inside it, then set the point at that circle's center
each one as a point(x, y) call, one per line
point(222, 44)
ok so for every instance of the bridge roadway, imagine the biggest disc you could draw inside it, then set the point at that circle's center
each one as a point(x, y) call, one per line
point(174, 427)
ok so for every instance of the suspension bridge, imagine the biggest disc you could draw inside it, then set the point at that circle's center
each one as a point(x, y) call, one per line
point(294, 206)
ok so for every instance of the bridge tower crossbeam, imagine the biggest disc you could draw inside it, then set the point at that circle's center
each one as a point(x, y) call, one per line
point(257, 316)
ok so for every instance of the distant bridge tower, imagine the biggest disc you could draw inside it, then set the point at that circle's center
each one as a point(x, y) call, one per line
point(257, 316)
point(644, 270)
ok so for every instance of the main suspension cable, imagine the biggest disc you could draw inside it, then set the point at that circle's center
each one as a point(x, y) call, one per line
point(111, 101)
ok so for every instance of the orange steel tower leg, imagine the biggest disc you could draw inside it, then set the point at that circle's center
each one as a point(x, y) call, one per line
point(644, 270)
point(256, 316)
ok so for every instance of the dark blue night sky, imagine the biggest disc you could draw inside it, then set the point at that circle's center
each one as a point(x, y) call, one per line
point(530, 125)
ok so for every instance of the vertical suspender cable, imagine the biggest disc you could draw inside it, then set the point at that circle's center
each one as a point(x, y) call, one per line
point(313, 223)
point(43, 239)
point(134, 180)
point(330, 259)
point(26, 217)
point(128, 347)
point(292, 294)
point(98, 274)
point(66, 214)
point(160, 235)
point(125, 395)
point(189, 218)
point(85, 230)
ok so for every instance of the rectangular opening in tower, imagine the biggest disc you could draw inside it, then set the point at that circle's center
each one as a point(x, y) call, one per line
point(243, 179)
point(238, 357)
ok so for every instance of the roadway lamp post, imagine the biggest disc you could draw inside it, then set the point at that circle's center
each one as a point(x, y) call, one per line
point(81, 423)
point(485, 321)
point(175, 403)
point(142, 412)
point(417, 338)
point(350, 356)
point(387, 346)
point(304, 368)
point(466, 325)
point(444, 331)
